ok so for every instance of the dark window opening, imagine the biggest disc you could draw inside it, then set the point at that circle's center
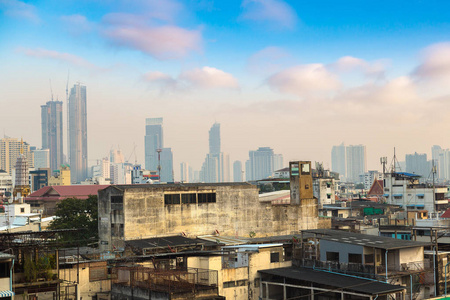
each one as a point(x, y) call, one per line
point(188, 198)
point(368, 258)
point(22, 209)
point(333, 256)
point(228, 284)
point(206, 197)
point(274, 257)
point(117, 199)
point(355, 258)
point(171, 199)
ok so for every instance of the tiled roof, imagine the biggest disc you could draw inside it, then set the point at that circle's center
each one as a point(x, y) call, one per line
point(446, 214)
point(65, 191)
point(376, 189)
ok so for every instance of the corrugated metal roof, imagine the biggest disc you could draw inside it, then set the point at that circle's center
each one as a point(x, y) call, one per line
point(224, 240)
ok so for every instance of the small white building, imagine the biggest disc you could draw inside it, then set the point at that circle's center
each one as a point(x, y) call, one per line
point(324, 190)
point(404, 189)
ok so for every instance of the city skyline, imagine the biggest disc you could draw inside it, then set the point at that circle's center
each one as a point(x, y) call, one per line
point(250, 65)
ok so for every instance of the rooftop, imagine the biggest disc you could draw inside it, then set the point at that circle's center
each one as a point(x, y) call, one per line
point(367, 240)
point(177, 185)
point(340, 281)
point(168, 241)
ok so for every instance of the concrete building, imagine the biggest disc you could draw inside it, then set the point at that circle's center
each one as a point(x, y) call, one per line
point(52, 132)
point(128, 212)
point(214, 139)
point(404, 189)
point(77, 137)
point(237, 171)
point(184, 172)
point(6, 287)
point(41, 158)
point(216, 167)
point(10, 149)
point(154, 140)
point(60, 177)
point(369, 177)
point(356, 162)
point(39, 178)
point(338, 161)
point(324, 190)
point(6, 184)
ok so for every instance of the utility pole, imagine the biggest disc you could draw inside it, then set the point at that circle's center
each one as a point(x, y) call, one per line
point(159, 163)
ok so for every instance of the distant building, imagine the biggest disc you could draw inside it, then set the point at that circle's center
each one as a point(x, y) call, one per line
point(184, 172)
point(41, 158)
point(52, 132)
point(369, 177)
point(60, 177)
point(6, 184)
point(77, 129)
point(260, 164)
point(10, 151)
point(338, 161)
point(39, 178)
point(166, 165)
point(418, 164)
point(216, 167)
point(356, 162)
point(154, 140)
point(237, 171)
point(324, 190)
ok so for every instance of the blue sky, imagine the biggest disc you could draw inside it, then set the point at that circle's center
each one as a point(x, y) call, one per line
point(298, 76)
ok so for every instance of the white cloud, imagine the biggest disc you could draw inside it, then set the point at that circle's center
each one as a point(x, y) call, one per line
point(59, 56)
point(350, 63)
point(303, 80)
point(436, 64)
point(19, 9)
point(199, 78)
point(273, 11)
point(269, 60)
point(208, 77)
point(160, 41)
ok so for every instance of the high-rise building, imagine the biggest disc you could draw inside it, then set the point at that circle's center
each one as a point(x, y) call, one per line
point(184, 172)
point(10, 149)
point(153, 141)
point(436, 152)
point(338, 162)
point(77, 129)
point(278, 162)
point(216, 167)
point(214, 139)
point(260, 164)
point(237, 171)
point(356, 162)
point(52, 132)
point(418, 164)
point(166, 165)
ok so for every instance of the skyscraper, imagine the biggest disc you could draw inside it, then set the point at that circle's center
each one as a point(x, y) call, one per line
point(356, 162)
point(52, 132)
point(216, 167)
point(77, 129)
point(237, 171)
point(260, 164)
point(214, 139)
point(166, 165)
point(153, 141)
point(338, 162)
point(418, 164)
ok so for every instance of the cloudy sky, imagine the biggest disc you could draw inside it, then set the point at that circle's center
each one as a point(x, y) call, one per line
point(297, 76)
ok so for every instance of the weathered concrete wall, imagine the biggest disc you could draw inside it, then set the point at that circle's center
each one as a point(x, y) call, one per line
point(237, 211)
point(121, 292)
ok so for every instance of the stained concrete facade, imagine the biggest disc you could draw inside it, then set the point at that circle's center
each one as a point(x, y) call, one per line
point(128, 212)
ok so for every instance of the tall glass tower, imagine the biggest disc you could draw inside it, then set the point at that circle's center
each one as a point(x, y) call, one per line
point(52, 132)
point(214, 139)
point(153, 141)
point(77, 128)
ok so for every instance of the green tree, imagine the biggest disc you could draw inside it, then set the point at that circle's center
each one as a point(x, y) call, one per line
point(73, 213)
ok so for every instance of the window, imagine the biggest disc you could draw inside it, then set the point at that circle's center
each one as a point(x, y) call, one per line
point(22, 209)
point(328, 184)
point(333, 256)
point(368, 259)
point(206, 197)
point(228, 284)
point(305, 169)
point(328, 196)
point(188, 198)
point(171, 199)
point(274, 257)
point(241, 283)
point(355, 258)
point(117, 199)
point(257, 282)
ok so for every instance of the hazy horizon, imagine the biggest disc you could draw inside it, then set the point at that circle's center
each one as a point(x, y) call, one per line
point(295, 76)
